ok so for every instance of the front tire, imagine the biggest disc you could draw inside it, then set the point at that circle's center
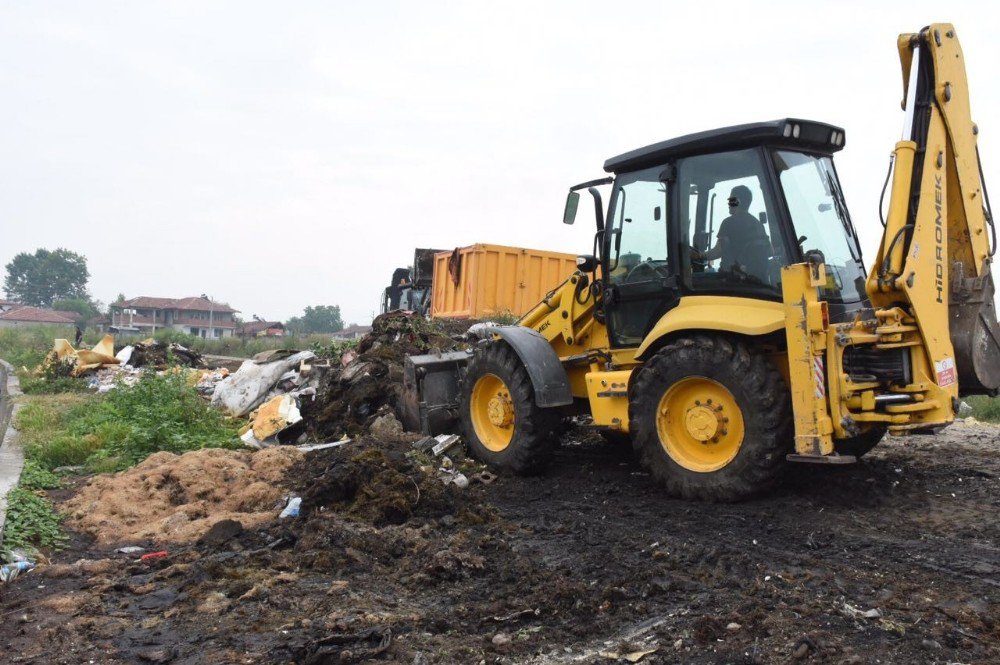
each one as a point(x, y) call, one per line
point(503, 425)
point(711, 419)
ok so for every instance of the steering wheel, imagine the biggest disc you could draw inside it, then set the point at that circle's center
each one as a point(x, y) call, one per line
point(647, 266)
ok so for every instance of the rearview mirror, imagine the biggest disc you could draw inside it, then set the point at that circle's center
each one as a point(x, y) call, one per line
point(572, 202)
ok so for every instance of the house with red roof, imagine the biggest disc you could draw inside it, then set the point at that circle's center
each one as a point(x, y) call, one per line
point(25, 315)
point(196, 316)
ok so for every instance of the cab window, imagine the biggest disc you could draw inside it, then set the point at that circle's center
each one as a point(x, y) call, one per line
point(728, 224)
point(639, 264)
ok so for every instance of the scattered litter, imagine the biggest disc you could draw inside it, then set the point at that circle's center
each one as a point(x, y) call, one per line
point(631, 657)
point(131, 549)
point(9, 571)
point(425, 443)
point(310, 447)
point(444, 443)
point(153, 556)
point(346, 648)
point(274, 416)
point(460, 481)
point(854, 613)
point(18, 562)
point(292, 509)
point(250, 440)
point(485, 477)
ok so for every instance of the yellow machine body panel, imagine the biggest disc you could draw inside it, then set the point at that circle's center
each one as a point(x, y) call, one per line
point(608, 396)
point(722, 313)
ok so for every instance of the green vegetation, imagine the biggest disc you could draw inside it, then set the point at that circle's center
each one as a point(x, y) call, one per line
point(113, 431)
point(984, 408)
point(85, 307)
point(504, 317)
point(40, 278)
point(25, 347)
point(31, 519)
point(104, 433)
point(318, 319)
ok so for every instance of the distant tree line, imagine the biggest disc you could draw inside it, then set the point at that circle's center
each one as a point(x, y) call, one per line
point(318, 319)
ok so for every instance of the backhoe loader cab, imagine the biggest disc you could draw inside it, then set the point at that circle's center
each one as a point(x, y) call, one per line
point(720, 213)
point(726, 323)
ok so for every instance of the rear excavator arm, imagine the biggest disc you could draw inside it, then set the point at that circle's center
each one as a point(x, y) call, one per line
point(934, 334)
point(935, 257)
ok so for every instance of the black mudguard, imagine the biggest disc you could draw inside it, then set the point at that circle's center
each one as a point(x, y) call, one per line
point(548, 377)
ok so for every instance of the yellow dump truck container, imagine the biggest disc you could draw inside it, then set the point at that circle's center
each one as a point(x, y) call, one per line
point(478, 281)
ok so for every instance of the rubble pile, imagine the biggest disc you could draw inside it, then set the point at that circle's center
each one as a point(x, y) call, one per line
point(64, 360)
point(161, 355)
point(370, 379)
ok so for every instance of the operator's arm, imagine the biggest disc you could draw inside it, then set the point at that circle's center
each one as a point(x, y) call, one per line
point(721, 239)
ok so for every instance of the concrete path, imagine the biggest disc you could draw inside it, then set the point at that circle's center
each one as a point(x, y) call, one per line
point(11, 454)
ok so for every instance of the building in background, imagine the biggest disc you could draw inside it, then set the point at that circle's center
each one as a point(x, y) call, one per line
point(261, 329)
point(196, 316)
point(352, 332)
point(24, 315)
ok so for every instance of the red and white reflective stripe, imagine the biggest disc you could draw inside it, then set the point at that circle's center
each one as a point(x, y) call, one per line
point(820, 375)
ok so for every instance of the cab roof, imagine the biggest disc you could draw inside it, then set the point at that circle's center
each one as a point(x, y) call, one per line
point(811, 135)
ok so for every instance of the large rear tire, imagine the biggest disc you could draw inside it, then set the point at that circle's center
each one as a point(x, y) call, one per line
point(711, 419)
point(503, 426)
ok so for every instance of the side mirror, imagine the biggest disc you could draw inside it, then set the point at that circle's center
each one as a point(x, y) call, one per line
point(572, 202)
point(586, 263)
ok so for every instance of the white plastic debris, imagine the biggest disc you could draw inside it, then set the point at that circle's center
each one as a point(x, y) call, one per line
point(292, 509)
point(125, 354)
point(444, 443)
point(244, 390)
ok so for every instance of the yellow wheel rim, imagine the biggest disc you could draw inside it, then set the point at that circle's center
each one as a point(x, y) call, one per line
point(492, 412)
point(700, 424)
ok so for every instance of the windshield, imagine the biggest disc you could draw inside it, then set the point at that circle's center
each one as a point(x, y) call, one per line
point(821, 221)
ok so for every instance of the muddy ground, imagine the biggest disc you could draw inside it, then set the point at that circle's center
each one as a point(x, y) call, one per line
point(588, 561)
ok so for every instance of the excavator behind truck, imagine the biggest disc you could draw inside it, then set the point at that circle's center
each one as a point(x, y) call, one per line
point(726, 322)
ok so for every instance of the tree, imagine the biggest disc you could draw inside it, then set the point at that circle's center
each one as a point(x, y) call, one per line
point(81, 306)
point(38, 279)
point(318, 319)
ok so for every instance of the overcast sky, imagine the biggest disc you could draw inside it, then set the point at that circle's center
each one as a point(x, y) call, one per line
point(278, 155)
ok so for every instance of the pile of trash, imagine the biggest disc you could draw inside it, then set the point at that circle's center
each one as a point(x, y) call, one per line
point(269, 388)
point(160, 355)
point(369, 379)
point(292, 396)
point(104, 369)
point(64, 360)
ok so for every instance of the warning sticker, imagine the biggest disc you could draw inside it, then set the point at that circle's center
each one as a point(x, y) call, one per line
point(946, 374)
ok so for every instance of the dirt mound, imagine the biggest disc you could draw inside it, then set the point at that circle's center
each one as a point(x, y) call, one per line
point(173, 498)
point(350, 397)
point(372, 481)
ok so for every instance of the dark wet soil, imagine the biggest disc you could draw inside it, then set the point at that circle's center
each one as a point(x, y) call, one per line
point(893, 560)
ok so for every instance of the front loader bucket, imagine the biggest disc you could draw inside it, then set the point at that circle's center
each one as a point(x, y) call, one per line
point(432, 391)
point(975, 334)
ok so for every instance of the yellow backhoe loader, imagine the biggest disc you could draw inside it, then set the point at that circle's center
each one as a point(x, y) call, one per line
point(726, 322)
